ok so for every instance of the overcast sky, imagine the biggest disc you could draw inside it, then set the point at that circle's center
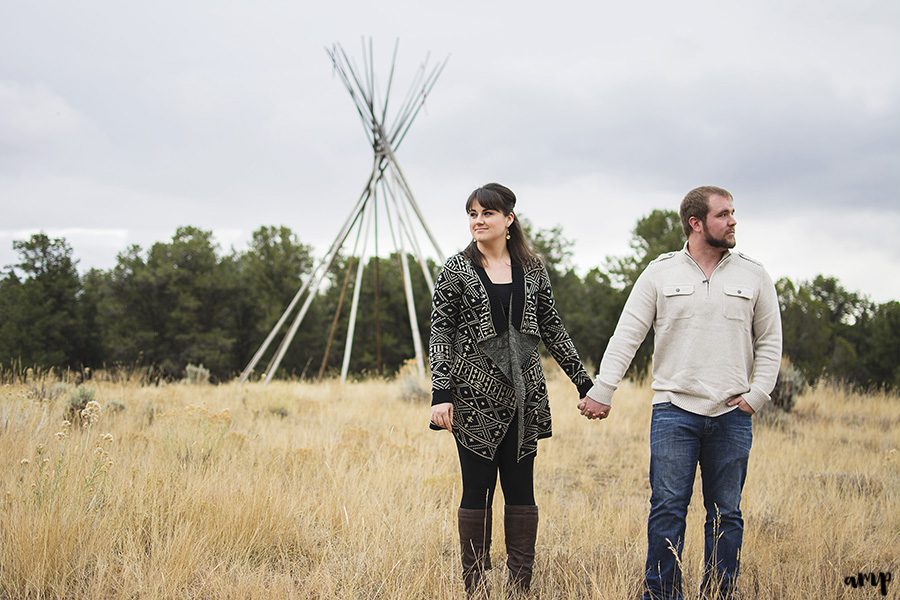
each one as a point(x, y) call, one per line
point(120, 121)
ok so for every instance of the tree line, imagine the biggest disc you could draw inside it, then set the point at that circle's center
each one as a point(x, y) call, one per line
point(184, 302)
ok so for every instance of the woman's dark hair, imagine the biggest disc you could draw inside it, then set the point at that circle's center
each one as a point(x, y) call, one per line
point(498, 197)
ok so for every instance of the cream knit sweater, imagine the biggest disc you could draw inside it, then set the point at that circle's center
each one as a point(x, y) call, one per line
point(714, 339)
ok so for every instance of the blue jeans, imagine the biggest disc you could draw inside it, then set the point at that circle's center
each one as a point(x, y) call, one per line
point(679, 440)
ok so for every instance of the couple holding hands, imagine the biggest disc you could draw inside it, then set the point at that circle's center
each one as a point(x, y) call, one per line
point(717, 350)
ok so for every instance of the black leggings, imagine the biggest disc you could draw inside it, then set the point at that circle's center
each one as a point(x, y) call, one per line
point(479, 474)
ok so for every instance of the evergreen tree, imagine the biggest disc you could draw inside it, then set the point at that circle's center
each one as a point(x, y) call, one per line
point(40, 301)
point(172, 308)
point(883, 348)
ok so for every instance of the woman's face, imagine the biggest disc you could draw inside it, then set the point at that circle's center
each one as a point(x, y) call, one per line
point(486, 224)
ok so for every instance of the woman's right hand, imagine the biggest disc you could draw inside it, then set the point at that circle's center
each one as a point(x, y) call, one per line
point(442, 415)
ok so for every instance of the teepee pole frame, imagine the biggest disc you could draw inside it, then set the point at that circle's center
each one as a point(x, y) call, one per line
point(386, 180)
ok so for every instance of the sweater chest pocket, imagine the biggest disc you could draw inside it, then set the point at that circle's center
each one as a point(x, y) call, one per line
point(739, 302)
point(678, 301)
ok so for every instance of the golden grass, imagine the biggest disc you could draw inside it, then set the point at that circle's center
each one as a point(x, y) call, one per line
point(321, 491)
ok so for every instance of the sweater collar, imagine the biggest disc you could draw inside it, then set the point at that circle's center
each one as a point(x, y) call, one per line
point(725, 255)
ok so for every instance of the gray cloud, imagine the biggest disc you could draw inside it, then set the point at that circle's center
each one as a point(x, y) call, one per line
point(140, 118)
point(804, 141)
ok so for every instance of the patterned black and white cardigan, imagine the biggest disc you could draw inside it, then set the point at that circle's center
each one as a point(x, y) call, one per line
point(489, 366)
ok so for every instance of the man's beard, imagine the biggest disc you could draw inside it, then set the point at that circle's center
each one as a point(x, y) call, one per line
point(723, 243)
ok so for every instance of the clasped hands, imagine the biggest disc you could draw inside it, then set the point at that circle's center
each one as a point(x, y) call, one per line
point(591, 409)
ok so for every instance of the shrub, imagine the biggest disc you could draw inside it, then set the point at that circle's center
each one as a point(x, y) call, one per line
point(196, 374)
point(788, 386)
point(78, 401)
point(412, 387)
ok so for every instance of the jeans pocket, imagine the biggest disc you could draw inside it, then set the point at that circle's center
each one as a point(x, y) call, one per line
point(741, 429)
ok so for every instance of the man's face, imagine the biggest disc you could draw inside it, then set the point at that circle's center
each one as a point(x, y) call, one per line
point(718, 227)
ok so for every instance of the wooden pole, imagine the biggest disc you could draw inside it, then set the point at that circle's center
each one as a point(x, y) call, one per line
point(334, 322)
point(411, 310)
point(377, 307)
point(351, 324)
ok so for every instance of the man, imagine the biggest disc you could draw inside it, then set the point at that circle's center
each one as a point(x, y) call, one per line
point(717, 350)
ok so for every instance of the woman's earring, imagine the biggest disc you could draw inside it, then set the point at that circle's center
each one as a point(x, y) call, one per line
point(507, 233)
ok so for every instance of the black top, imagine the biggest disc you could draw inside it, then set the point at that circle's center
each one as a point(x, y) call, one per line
point(504, 292)
point(499, 308)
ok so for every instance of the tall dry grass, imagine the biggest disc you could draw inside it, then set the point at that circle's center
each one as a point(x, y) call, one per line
point(322, 491)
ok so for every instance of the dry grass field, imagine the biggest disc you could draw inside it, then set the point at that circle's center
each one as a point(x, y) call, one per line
point(320, 491)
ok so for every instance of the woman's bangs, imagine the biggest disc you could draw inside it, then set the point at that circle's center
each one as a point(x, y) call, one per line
point(488, 199)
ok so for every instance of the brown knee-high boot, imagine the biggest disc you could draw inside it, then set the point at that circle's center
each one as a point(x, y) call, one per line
point(521, 524)
point(475, 547)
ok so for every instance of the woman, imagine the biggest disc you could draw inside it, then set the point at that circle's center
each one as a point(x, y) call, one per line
point(492, 305)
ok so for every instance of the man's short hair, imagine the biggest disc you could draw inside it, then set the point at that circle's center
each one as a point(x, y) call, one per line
point(696, 204)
